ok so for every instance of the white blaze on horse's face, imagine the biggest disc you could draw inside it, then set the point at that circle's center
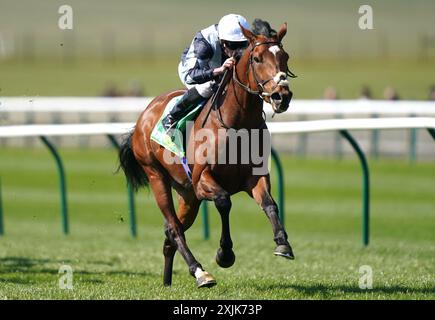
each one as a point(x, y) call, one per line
point(281, 77)
point(274, 50)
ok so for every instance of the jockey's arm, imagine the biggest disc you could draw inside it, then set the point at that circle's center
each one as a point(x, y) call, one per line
point(229, 63)
point(201, 71)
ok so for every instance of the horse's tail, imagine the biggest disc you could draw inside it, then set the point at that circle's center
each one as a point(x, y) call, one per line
point(131, 167)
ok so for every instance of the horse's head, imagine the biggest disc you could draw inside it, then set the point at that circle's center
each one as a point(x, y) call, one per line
point(267, 68)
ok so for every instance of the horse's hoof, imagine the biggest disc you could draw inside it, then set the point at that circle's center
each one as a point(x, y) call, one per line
point(205, 280)
point(225, 259)
point(284, 251)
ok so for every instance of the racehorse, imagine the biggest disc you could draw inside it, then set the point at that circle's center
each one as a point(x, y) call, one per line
point(260, 74)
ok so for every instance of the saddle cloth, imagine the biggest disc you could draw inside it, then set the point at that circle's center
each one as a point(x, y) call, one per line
point(176, 144)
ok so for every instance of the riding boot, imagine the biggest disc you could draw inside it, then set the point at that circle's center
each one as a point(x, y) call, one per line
point(189, 99)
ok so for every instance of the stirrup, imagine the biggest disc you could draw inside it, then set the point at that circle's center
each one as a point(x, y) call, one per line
point(168, 119)
point(170, 131)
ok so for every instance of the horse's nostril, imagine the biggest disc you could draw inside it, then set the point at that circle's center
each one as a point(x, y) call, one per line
point(276, 96)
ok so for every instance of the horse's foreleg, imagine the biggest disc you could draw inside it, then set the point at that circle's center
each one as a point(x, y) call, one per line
point(174, 230)
point(208, 188)
point(259, 189)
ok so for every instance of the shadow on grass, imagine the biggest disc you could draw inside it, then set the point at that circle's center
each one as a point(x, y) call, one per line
point(31, 268)
point(334, 290)
point(19, 262)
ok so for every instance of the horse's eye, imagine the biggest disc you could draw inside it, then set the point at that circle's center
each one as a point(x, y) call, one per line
point(257, 60)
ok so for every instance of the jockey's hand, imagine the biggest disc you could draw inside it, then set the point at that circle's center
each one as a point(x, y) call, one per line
point(228, 64)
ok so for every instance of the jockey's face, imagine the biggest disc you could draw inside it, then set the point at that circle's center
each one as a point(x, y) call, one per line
point(234, 48)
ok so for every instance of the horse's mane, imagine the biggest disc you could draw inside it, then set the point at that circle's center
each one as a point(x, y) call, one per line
point(262, 27)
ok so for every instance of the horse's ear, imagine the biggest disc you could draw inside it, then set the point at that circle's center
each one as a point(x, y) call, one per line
point(248, 34)
point(282, 31)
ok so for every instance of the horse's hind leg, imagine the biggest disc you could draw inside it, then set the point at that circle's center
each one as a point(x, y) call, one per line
point(162, 192)
point(259, 189)
point(186, 214)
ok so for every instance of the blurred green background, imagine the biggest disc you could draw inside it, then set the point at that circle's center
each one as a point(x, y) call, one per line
point(135, 45)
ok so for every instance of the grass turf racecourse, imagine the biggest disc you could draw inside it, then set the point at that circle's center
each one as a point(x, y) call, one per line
point(323, 219)
point(411, 77)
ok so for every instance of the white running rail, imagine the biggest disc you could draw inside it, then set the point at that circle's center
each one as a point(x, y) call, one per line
point(297, 107)
point(274, 127)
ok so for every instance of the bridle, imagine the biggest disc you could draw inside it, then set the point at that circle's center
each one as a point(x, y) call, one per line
point(260, 84)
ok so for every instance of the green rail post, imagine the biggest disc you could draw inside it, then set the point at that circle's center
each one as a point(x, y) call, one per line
point(280, 176)
point(365, 184)
point(62, 184)
point(2, 230)
point(205, 227)
point(130, 195)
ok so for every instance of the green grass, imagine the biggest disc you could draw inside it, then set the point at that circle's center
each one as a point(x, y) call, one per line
point(89, 77)
point(323, 220)
point(86, 77)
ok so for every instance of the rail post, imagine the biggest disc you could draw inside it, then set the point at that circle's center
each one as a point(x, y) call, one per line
point(62, 184)
point(365, 185)
point(205, 224)
point(280, 176)
point(130, 195)
point(2, 230)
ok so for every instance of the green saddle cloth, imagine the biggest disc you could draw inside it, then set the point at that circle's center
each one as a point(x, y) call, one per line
point(174, 145)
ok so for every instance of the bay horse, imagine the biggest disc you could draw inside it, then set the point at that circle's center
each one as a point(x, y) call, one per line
point(260, 74)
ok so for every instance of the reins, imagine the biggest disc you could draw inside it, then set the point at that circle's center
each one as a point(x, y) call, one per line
point(214, 99)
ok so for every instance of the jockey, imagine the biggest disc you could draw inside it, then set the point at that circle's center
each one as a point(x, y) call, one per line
point(205, 61)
